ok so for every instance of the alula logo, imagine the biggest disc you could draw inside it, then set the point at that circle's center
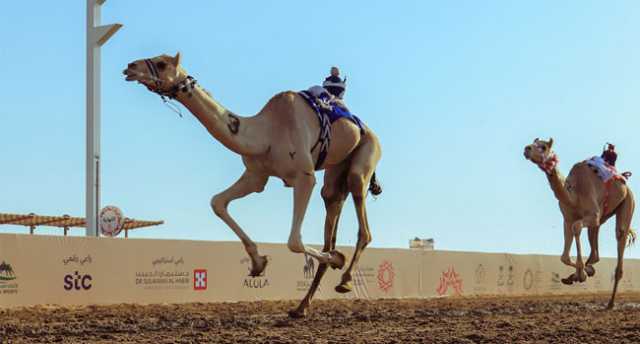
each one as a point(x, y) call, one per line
point(6, 272)
point(257, 282)
point(77, 281)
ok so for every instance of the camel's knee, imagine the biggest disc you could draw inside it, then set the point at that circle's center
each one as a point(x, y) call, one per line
point(219, 205)
point(619, 273)
point(295, 245)
point(364, 238)
point(328, 193)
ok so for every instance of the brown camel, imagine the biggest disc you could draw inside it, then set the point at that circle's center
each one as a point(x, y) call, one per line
point(280, 141)
point(586, 201)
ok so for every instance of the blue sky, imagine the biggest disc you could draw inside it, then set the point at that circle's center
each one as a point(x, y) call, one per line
point(453, 89)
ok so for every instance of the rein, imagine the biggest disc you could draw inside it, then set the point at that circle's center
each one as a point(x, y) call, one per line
point(186, 85)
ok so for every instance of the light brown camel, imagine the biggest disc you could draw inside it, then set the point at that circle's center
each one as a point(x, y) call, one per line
point(280, 141)
point(586, 201)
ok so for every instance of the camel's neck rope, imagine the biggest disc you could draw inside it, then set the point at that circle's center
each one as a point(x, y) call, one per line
point(186, 85)
point(549, 163)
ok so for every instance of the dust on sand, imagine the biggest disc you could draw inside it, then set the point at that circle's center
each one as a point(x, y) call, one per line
point(540, 319)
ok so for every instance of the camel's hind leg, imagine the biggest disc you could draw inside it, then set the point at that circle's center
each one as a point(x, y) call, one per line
point(363, 164)
point(248, 183)
point(334, 193)
point(594, 256)
point(623, 224)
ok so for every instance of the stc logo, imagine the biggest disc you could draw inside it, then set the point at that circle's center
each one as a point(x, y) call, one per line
point(76, 281)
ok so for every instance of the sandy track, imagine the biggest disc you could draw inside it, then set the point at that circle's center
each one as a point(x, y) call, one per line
point(552, 319)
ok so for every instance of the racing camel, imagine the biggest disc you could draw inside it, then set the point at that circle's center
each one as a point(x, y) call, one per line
point(282, 141)
point(586, 201)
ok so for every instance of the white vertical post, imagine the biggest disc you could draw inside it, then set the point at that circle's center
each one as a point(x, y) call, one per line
point(97, 35)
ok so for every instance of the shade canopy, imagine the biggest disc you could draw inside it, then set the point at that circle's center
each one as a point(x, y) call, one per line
point(65, 221)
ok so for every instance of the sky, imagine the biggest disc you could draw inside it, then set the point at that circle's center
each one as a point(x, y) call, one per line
point(454, 90)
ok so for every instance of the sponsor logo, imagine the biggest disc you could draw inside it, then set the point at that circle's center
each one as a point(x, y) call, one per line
point(480, 279)
point(309, 267)
point(527, 280)
point(505, 276)
point(386, 276)
point(555, 281)
point(6, 272)
point(450, 278)
point(257, 282)
point(166, 273)
point(110, 221)
point(8, 284)
point(308, 271)
point(75, 259)
point(364, 275)
point(77, 281)
point(480, 276)
point(200, 279)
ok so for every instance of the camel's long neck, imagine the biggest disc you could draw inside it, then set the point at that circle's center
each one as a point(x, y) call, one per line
point(556, 181)
point(240, 134)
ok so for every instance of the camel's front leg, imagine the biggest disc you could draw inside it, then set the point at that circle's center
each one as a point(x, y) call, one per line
point(304, 183)
point(568, 242)
point(248, 183)
point(334, 194)
point(333, 205)
point(580, 273)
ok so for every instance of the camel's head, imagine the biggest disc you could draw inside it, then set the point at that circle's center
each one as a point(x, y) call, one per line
point(540, 152)
point(159, 74)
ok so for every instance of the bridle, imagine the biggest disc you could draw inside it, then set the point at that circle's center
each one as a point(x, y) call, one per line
point(186, 85)
point(549, 163)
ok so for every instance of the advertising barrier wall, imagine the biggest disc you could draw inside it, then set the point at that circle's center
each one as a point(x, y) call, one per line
point(37, 269)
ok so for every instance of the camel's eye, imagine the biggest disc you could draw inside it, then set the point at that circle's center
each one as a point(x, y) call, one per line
point(161, 65)
point(543, 148)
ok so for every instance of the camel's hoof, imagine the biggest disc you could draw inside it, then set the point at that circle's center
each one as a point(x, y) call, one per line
point(590, 270)
point(569, 280)
point(257, 267)
point(297, 313)
point(344, 287)
point(581, 277)
point(609, 306)
point(337, 260)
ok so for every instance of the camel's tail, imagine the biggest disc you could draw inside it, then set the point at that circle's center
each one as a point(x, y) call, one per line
point(631, 237)
point(374, 186)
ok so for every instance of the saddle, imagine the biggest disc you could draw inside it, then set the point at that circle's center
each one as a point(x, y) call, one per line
point(605, 171)
point(328, 109)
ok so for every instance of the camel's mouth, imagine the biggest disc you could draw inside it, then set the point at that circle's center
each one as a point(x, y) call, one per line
point(129, 75)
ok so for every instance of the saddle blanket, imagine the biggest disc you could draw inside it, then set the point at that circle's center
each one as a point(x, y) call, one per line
point(328, 109)
point(604, 171)
point(330, 106)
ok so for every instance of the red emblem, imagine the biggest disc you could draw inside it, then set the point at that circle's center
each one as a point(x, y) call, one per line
point(448, 279)
point(385, 276)
point(200, 279)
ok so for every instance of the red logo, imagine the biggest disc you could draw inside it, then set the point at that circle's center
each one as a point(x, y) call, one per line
point(200, 279)
point(448, 279)
point(385, 276)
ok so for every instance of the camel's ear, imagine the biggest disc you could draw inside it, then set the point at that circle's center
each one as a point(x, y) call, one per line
point(176, 60)
point(550, 142)
point(536, 140)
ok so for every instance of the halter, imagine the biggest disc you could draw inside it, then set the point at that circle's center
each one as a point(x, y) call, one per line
point(186, 85)
point(549, 163)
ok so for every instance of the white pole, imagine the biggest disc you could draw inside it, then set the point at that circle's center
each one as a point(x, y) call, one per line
point(97, 35)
